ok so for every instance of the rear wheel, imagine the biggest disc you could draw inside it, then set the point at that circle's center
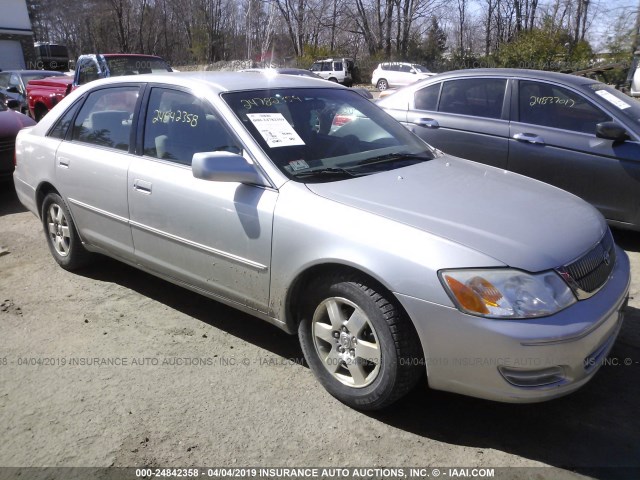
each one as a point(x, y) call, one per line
point(62, 237)
point(334, 80)
point(382, 84)
point(358, 343)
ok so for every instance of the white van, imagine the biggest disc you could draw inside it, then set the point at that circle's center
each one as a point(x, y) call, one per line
point(634, 75)
point(334, 69)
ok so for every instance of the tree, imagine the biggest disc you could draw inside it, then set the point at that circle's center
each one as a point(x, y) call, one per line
point(436, 42)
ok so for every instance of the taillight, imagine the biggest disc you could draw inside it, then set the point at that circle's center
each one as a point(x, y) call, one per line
point(340, 120)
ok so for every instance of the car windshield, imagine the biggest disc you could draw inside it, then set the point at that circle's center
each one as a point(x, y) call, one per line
point(420, 68)
point(133, 65)
point(325, 134)
point(627, 106)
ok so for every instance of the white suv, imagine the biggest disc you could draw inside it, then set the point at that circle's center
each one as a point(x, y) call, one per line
point(398, 74)
point(334, 69)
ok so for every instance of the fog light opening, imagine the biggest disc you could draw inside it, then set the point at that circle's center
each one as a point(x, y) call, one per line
point(532, 378)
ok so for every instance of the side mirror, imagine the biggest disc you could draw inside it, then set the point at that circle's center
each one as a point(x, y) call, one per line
point(611, 131)
point(13, 104)
point(13, 89)
point(225, 167)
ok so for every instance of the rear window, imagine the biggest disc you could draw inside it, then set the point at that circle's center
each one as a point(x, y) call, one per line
point(127, 65)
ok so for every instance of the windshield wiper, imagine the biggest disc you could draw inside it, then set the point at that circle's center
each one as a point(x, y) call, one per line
point(392, 157)
point(324, 171)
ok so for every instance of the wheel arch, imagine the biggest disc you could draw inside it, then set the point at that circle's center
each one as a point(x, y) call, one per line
point(294, 300)
point(44, 189)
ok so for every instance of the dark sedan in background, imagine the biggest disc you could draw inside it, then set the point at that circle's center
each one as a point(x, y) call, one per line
point(577, 134)
point(13, 84)
point(10, 124)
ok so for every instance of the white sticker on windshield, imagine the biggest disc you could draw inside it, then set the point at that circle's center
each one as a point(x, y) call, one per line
point(275, 129)
point(621, 104)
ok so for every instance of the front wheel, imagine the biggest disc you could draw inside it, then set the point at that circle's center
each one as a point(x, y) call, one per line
point(358, 343)
point(62, 237)
point(382, 84)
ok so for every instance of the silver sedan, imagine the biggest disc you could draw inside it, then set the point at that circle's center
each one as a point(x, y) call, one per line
point(306, 205)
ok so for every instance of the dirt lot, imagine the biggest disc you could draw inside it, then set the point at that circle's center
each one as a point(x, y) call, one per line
point(253, 402)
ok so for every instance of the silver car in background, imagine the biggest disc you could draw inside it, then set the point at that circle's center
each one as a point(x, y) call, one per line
point(306, 205)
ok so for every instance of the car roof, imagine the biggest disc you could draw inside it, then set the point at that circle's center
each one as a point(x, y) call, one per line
point(43, 72)
point(566, 78)
point(222, 81)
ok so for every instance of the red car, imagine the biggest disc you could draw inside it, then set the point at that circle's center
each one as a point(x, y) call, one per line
point(10, 124)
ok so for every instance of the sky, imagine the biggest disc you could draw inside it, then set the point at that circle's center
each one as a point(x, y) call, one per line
point(605, 19)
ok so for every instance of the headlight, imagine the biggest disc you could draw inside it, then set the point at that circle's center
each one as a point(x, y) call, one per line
point(507, 293)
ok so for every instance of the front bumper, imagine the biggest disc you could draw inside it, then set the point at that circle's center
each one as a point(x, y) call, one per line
point(543, 358)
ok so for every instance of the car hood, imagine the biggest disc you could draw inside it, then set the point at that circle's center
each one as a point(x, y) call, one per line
point(12, 122)
point(518, 221)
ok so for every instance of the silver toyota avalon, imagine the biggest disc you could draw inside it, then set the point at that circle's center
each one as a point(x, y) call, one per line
point(306, 205)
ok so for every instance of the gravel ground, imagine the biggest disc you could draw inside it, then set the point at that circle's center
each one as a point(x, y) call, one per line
point(253, 402)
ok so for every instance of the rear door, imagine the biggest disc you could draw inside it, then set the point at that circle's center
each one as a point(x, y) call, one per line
point(465, 117)
point(92, 165)
point(554, 140)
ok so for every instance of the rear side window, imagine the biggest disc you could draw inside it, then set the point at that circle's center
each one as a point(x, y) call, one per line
point(88, 72)
point(557, 107)
point(480, 97)
point(177, 125)
point(427, 98)
point(105, 118)
point(61, 127)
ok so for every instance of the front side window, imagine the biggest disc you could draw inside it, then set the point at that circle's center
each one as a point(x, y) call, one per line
point(420, 68)
point(479, 97)
point(177, 125)
point(557, 107)
point(325, 134)
point(106, 116)
point(615, 99)
point(15, 82)
point(427, 98)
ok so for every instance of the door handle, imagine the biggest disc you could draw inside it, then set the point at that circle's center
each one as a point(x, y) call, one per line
point(427, 122)
point(63, 162)
point(529, 138)
point(142, 186)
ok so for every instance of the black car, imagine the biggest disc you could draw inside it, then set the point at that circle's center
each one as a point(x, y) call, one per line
point(575, 133)
point(10, 124)
point(13, 84)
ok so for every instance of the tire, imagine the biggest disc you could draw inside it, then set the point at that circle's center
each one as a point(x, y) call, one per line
point(62, 237)
point(358, 343)
point(382, 85)
point(40, 112)
point(334, 80)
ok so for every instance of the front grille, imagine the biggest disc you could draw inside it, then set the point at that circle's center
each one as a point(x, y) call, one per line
point(590, 272)
point(7, 144)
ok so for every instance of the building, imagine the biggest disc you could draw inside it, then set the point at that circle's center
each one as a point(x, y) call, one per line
point(16, 36)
